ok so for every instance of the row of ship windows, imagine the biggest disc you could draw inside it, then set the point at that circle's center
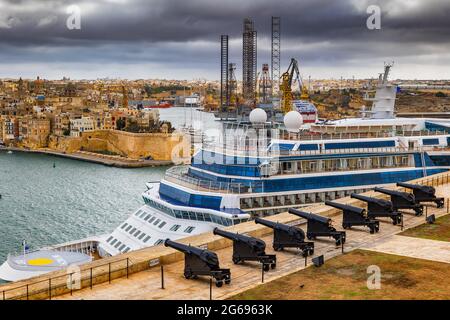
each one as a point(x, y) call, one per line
point(191, 215)
point(356, 163)
point(149, 218)
point(123, 248)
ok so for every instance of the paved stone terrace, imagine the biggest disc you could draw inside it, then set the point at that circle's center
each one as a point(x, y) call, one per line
point(144, 281)
point(147, 284)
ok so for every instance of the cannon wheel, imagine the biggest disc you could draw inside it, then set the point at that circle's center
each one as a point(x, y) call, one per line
point(311, 252)
point(377, 227)
point(266, 267)
point(236, 260)
point(188, 275)
point(273, 265)
point(219, 283)
point(440, 203)
point(228, 280)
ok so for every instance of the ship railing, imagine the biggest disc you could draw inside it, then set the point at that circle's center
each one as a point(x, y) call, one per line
point(310, 135)
point(274, 152)
point(180, 176)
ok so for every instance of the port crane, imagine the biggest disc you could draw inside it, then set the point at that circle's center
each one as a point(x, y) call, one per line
point(288, 78)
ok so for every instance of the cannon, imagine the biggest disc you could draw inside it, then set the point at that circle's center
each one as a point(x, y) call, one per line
point(402, 200)
point(318, 226)
point(423, 193)
point(246, 248)
point(200, 262)
point(285, 236)
point(379, 208)
point(354, 216)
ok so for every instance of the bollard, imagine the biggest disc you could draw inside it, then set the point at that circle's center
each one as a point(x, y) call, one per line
point(162, 277)
point(262, 272)
point(71, 285)
point(210, 288)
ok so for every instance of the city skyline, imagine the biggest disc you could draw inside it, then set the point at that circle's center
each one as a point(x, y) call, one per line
point(137, 39)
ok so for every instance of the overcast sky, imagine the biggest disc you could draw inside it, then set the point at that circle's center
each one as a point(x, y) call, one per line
point(179, 39)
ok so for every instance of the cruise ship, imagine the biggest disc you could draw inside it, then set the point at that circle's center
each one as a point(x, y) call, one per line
point(275, 169)
point(261, 168)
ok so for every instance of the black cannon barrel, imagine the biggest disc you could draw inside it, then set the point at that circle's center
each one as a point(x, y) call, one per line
point(207, 256)
point(294, 232)
point(392, 192)
point(381, 202)
point(427, 189)
point(309, 216)
point(342, 206)
point(254, 242)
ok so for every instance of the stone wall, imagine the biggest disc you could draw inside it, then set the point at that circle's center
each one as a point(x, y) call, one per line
point(131, 145)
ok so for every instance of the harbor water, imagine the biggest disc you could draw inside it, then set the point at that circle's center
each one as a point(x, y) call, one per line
point(48, 200)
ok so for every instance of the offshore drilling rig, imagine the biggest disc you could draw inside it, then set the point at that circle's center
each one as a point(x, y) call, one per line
point(267, 89)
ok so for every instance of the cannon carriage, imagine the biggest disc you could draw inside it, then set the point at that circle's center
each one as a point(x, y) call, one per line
point(423, 193)
point(200, 262)
point(285, 236)
point(246, 248)
point(319, 226)
point(379, 208)
point(402, 200)
point(355, 216)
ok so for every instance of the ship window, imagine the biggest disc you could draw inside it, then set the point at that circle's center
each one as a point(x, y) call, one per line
point(128, 229)
point(137, 233)
point(114, 241)
point(156, 222)
point(159, 242)
point(147, 217)
point(200, 216)
point(185, 215)
point(146, 239)
point(137, 212)
point(207, 217)
point(151, 220)
point(121, 247)
point(117, 244)
point(143, 214)
point(124, 225)
point(141, 236)
point(189, 229)
point(109, 239)
point(127, 249)
point(133, 230)
point(175, 227)
point(162, 224)
point(178, 214)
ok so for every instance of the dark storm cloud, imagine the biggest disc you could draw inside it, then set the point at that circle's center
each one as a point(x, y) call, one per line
point(174, 31)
